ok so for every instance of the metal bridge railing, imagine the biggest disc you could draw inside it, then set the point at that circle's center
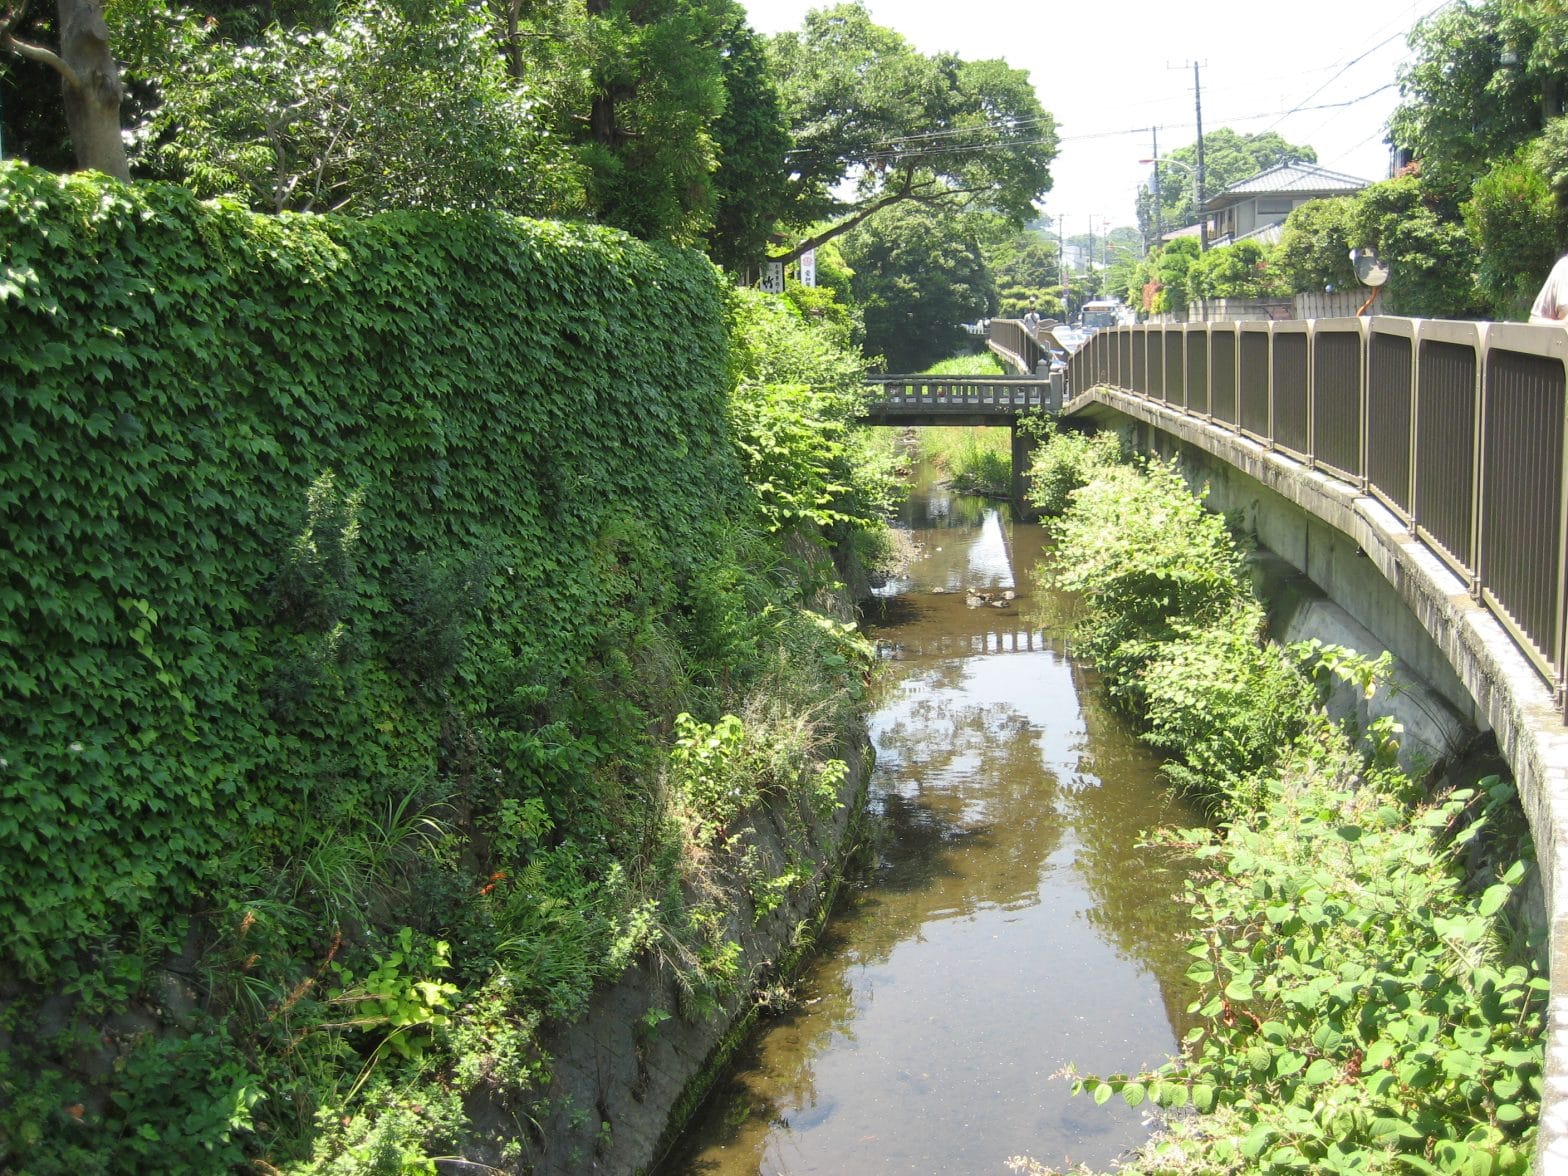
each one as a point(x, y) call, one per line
point(1458, 428)
point(1001, 394)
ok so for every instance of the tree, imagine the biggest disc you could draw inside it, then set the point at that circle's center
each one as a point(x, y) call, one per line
point(378, 111)
point(1472, 92)
point(656, 90)
point(1172, 266)
point(1240, 270)
point(919, 276)
point(89, 79)
point(1228, 158)
point(866, 109)
point(1512, 219)
point(1431, 260)
point(1314, 246)
point(750, 193)
point(1024, 267)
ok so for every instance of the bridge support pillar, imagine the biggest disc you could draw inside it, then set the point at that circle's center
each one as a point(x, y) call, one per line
point(1023, 452)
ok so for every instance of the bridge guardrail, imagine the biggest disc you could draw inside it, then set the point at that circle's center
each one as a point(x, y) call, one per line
point(1002, 394)
point(1456, 427)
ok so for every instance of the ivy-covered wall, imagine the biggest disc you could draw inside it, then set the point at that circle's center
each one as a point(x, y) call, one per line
point(304, 514)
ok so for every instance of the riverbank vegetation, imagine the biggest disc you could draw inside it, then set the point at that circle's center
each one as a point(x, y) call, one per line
point(1366, 1002)
point(389, 661)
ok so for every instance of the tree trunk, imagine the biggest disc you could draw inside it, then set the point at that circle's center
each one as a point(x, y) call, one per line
point(92, 97)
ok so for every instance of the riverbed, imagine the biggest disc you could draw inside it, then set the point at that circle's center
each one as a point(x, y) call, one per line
point(1008, 925)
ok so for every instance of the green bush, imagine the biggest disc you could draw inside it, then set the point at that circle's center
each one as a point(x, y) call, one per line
point(1151, 563)
point(356, 572)
point(1364, 1002)
point(1063, 462)
point(1512, 220)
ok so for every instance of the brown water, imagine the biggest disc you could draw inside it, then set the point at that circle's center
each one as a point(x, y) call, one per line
point(1008, 926)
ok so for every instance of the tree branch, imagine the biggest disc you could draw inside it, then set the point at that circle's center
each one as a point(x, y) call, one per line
point(907, 190)
point(39, 53)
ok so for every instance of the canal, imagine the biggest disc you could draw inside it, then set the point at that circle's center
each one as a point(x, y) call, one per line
point(1008, 923)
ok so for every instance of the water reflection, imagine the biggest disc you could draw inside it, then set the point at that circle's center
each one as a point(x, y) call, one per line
point(1009, 924)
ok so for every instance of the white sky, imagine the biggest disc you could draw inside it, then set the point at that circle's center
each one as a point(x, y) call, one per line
point(1108, 71)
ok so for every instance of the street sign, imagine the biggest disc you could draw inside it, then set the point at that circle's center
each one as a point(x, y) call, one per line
point(773, 277)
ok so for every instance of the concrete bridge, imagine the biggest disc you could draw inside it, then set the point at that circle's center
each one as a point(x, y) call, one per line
point(1416, 471)
point(998, 401)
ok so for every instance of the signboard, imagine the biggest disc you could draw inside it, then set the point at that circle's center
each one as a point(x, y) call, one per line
point(808, 268)
point(773, 277)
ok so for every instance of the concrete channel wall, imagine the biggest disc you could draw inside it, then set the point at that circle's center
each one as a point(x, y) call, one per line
point(1369, 563)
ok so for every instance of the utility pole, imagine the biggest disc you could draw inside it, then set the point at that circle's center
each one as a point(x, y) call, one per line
point(1203, 217)
point(1061, 266)
point(1159, 230)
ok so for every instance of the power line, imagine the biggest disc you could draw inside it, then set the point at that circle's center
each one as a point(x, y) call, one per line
point(932, 148)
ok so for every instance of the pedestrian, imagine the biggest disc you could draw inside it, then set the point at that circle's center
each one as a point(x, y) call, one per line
point(1032, 322)
point(1551, 304)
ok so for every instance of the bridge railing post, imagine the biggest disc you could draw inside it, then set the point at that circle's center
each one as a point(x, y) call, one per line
point(1338, 405)
point(1522, 539)
point(1445, 427)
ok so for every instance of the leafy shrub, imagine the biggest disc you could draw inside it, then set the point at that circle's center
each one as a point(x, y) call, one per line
point(1063, 462)
point(1222, 703)
point(1364, 1003)
point(1359, 1009)
point(1512, 220)
point(1150, 562)
point(1314, 246)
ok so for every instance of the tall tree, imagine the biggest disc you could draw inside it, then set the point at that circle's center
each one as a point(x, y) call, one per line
point(1228, 157)
point(656, 89)
point(381, 110)
point(89, 78)
point(870, 113)
point(1484, 79)
point(919, 276)
point(750, 184)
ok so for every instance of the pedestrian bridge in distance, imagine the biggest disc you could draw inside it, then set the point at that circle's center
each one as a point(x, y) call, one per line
point(1000, 401)
point(957, 400)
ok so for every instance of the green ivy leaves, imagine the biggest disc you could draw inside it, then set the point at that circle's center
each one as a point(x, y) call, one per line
point(177, 377)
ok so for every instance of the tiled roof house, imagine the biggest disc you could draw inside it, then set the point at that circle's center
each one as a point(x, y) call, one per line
point(1256, 207)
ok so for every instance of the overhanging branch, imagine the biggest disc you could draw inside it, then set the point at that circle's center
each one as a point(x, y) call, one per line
point(38, 53)
point(928, 192)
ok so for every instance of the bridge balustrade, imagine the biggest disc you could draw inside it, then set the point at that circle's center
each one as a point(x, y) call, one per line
point(1005, 396)
point(1335, 397)
point(1458, 428)
point(1197, 347)
point(1520, 514)
point(1447, 430)
point(1223, 354)
point(1390, 388)
point(1252, 380)
point(1288, 371)
point(1174, 372)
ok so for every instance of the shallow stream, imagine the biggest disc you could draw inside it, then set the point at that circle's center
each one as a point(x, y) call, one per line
point(1008, 925)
